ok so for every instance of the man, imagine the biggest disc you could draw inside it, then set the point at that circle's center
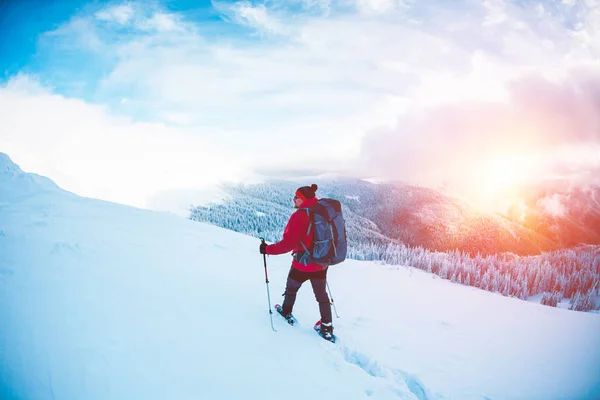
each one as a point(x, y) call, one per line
point(296, 234)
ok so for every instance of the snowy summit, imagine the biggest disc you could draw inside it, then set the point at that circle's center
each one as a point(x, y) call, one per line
point(104, 301)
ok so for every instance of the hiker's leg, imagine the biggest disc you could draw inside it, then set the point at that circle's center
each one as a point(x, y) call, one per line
point(294, 281)
point(319, 285)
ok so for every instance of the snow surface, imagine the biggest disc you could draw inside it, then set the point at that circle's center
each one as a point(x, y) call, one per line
point(105, 301)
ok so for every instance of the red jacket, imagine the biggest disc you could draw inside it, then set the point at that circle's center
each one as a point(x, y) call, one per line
point(295, 231)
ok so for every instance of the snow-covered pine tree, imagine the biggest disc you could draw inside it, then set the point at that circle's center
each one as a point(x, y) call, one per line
point(582, 302)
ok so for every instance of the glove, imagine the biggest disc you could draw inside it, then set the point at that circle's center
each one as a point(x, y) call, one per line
point(263, 248)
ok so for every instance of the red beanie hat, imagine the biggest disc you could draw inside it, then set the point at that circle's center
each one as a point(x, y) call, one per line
point(306, 192)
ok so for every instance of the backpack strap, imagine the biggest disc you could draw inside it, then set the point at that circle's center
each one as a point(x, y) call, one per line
point(333, 240)
point(309, 223)
point(302, 256)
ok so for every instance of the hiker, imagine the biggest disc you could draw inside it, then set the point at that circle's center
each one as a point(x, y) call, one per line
point(294, 236)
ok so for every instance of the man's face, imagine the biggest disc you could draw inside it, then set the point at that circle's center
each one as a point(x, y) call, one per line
point(297, 201)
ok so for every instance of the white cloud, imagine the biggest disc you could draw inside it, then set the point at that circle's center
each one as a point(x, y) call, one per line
point(179, 118)
point(542, 128)
point(87, 151)
point(257, 17)
point(76, 35)
point(121, 14)
point(552, 205)
point(378, 6)
point(161, 22)
point(326, 72)
point(320, 5)
point(589, 31)
point(140, 17)
point(496, 12)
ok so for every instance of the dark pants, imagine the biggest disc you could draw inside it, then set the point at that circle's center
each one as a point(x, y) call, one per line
point(318, 280)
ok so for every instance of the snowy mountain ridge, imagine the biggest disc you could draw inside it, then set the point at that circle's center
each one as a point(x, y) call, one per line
point(16, 182)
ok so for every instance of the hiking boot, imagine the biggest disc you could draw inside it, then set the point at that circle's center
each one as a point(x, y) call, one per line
point(326, 329)
point(287, 315)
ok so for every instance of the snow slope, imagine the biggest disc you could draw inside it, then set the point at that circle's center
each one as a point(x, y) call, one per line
point(104, 301)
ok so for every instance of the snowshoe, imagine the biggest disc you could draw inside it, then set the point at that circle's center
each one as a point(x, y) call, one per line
point(288, 317)
point(325, 331)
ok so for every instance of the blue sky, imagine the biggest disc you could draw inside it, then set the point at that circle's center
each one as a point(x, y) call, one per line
point(121, 100)
point(19, 30)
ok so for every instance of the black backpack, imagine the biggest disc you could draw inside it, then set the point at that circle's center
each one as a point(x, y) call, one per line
point(329, 234)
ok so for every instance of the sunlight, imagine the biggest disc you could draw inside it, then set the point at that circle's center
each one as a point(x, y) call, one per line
point(501, 174)
point(497, 182)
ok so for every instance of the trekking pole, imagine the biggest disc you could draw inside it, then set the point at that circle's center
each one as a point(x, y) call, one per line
point(331, 297)
point(268, 293)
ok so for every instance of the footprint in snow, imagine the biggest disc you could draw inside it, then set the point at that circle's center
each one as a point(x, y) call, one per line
point(61, 247)
point(400, 380)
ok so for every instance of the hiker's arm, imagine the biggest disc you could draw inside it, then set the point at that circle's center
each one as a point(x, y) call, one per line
point(291, 236)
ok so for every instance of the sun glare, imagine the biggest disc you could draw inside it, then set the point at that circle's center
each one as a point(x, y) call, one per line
point(501, 174)
point(498, 181)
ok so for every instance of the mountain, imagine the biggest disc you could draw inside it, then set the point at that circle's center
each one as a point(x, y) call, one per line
point(104, 301)
point(568, 214)
point(419, 216)
point(15, 183)
point(382, 214)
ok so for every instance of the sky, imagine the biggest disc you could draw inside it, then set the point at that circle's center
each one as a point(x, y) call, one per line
point(104, 301)
point(125, 100)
